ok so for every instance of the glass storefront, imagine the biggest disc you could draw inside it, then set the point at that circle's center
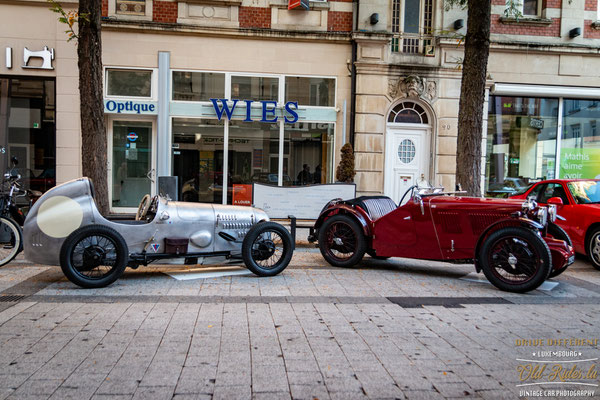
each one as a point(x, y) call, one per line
point(28, 129)
point(521, 143)
point(524, 144)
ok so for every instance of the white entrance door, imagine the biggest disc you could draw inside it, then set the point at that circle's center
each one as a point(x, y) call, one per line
point(131, 162)
point(406, 159)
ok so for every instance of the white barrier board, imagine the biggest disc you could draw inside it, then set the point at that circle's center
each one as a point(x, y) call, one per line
point(304, 202)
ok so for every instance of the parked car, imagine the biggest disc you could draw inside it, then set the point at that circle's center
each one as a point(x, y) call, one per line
point(65, 228)
point(579, 206)
point(271, 178)
point(506, 239)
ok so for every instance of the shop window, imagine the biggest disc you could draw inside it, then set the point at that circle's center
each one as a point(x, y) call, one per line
point(408, 112)
point(28, 130)
point(580, 141)
point(310, 91)
point(308, 153)
point(256, 88)
point(198, 86)
point(412, 21)
point(521, 143)
point(128, 82)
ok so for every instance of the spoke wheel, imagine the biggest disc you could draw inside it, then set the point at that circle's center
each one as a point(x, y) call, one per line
point(515, 259)
point(93, 256)
point(11, 240)
point(341, 241)
point(593, 248)
point(267, 249)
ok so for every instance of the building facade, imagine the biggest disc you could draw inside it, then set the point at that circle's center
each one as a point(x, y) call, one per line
point(541, 103)
point(224, 94)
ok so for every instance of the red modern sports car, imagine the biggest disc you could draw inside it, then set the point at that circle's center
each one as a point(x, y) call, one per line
point(580, 208)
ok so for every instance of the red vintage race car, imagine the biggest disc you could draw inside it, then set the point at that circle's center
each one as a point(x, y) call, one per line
point(516, 244)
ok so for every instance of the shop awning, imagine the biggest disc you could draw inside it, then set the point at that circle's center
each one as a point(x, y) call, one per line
point(298, 4)
point(514, 89)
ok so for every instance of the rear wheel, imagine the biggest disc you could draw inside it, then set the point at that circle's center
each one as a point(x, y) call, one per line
point(593, 248)
point(341, 241)
point(11, 240)
point(94, 256)
point(558, 233)
point(515, 259)
point(267, 249)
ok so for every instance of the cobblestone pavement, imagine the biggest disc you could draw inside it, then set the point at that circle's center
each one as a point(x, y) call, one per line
point(390, 329)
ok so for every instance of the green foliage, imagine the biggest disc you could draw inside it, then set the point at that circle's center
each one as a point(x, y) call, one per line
point(512, 10)
point(345, 171)
point(69, 18)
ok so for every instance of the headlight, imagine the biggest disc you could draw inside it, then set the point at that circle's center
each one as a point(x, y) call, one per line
point(529, 205)
point(542, 215)
point(551, 212)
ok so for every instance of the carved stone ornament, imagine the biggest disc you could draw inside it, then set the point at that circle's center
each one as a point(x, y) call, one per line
point(412, 86)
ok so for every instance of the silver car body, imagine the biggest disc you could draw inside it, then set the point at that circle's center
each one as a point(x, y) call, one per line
point(69, 206)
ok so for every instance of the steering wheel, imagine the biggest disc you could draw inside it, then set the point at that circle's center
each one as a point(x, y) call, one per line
point(153, 209)
point(410, 190)
point(143, 208)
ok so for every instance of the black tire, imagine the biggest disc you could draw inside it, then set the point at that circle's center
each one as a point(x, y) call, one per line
point(11, 240)
point(592, 247)
point(267, 249)
point(341, 241)
point(558, 233)
point(94, 256)
point(515, 259)
point(374, 255)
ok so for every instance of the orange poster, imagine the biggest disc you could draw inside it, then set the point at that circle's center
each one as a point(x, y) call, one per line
point(242, 195)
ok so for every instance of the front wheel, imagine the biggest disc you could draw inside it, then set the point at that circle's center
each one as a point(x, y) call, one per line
point(515, 259)
point(11, 240)
point(267, 249)
point(341, 241)
point(94, 256)
point(593, 248)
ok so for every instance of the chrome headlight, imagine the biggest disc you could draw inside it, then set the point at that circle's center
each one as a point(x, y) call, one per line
point(551, 212)
point(529, 205)
point(542, 215)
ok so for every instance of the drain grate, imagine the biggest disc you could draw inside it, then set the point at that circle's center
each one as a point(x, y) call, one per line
point(11, 298)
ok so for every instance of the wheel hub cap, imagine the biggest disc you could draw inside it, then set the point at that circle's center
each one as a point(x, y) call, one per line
point(338, 241)
point(512, 261)
point(93, 256)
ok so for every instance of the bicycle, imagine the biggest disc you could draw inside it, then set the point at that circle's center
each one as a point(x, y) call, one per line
point(12, 217)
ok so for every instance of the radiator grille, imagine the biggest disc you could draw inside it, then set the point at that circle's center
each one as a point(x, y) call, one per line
point(450, 221)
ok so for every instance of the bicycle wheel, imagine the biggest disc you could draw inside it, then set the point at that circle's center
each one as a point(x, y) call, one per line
point(11, 240)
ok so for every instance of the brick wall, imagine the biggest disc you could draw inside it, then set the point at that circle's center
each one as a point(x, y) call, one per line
point(105, 8)
point(339, 21)
point(552, 4)
point(498, 2)
point(255, 17)
point(589, 32)
point(591, 5)
point(525, 29)
point(164, 11)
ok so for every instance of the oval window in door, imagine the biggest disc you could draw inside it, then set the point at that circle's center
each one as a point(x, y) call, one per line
point(406, 151)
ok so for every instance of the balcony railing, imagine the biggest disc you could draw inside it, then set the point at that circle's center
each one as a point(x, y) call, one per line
point(413, 44)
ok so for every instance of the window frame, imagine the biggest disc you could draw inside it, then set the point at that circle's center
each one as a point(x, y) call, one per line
point(153, 83)
point(521, 6)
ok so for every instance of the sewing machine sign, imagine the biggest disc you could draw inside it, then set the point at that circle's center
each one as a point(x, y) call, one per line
point(43, 58)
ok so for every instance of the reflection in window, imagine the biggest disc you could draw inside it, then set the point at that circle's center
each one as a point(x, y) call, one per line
point(580, 142)
point(134, 83)
point(310, 91)
point(530, 7)
point(308, 153)
point(254, 88)
point(198, 86)
point(521, 143)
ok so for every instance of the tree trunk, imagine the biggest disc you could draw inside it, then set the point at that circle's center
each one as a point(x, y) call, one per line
point(472, 96)
point(93, 130)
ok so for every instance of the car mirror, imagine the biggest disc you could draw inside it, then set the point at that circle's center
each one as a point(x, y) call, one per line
point(557, 201)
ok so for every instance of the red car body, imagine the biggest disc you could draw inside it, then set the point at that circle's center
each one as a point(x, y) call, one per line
point(581, 219)
point(436, 227)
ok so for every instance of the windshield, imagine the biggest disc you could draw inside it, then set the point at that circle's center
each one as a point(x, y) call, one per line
point(523, 189)
point(585, 192)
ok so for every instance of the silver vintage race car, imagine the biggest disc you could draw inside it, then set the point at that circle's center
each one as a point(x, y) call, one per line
point(65, 228)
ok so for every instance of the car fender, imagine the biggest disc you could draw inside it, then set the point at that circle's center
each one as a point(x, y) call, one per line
point(346, 209)
point(522, 222)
